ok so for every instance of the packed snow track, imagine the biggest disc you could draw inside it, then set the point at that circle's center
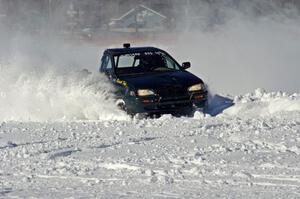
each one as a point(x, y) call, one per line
point(248, 150)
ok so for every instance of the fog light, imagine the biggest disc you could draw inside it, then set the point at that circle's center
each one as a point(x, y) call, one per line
point(199, 97)
point(147, 101)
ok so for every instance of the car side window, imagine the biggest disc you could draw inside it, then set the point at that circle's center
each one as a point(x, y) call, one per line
point(170, 63)
point(106, 64)
point(109, 64)
point(126, 61)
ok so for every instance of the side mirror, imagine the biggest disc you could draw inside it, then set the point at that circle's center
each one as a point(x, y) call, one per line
point(186, 65)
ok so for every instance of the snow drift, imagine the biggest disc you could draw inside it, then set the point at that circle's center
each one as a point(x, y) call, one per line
point(262, 103)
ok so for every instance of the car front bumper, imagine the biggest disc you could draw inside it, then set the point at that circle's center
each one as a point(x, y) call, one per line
point(157, 104)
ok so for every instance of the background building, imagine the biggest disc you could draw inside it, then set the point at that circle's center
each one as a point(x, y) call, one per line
point(95, 15)
point(139, 19)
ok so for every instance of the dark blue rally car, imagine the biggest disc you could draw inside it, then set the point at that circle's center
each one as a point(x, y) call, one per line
point(149, 81)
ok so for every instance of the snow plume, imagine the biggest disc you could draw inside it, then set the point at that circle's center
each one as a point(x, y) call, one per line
point(42, 76)
point(238, 48)
point(42, 79)
point(54, 97)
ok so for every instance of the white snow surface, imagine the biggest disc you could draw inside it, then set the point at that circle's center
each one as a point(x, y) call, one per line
point(244, 147)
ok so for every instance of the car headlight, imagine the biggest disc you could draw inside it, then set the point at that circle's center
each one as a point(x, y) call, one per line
point(145, 92)
point(196, 87)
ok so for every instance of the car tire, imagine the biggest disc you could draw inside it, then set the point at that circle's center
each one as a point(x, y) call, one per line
point(121, 104)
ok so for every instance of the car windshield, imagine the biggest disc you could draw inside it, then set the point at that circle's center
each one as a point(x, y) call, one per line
point(145, 62)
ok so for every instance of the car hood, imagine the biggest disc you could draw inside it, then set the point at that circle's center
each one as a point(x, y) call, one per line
point(158, 80)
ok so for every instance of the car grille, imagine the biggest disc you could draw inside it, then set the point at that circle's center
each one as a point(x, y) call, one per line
point(173, 92)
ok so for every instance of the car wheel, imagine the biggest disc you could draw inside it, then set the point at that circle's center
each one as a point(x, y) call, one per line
point(121, 105)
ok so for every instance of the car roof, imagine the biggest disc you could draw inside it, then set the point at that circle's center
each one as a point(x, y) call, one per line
point(119, 51)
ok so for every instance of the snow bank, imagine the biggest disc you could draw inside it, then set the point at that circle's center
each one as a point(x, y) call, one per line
point(262, 103)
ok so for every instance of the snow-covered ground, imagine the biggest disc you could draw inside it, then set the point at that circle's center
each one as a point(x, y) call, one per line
point(61, 135)
point(249, 148)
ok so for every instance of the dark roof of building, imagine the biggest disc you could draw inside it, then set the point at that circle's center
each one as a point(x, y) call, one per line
point(118, 51)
